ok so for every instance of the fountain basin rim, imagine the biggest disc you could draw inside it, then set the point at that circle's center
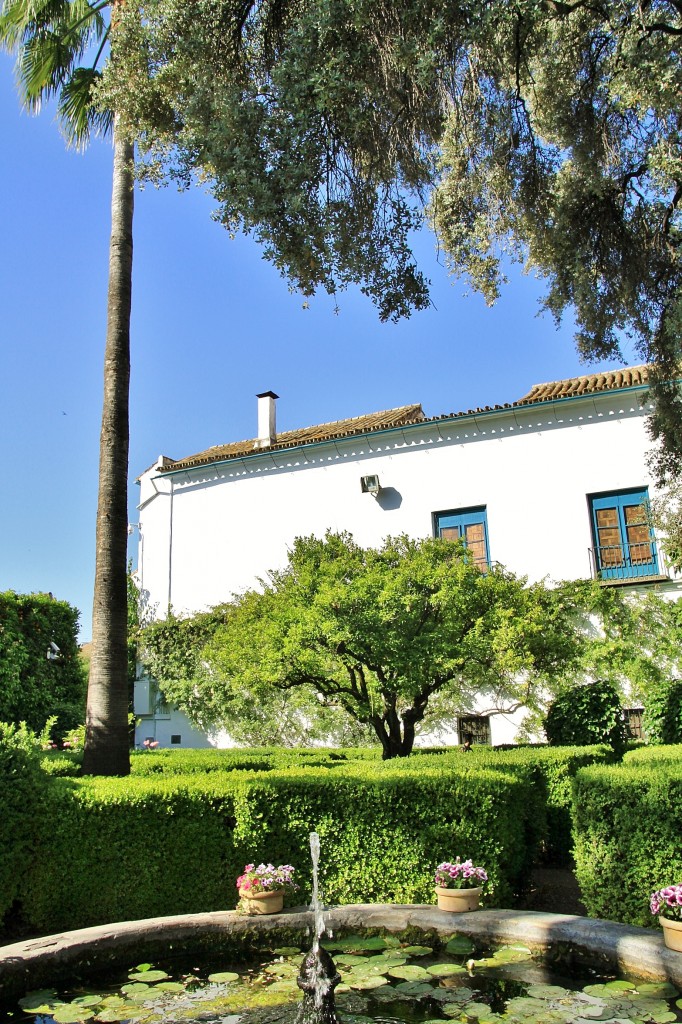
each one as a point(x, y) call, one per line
point(640, 952)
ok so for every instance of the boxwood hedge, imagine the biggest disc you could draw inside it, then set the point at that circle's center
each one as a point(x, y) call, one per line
point(627, 835)
point(113, 849)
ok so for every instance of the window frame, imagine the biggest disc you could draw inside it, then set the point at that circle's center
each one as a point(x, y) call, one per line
point(627, 567)
point(479, 724)
point(473, 515)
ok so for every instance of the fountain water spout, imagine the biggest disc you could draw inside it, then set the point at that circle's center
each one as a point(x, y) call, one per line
point(318, 976)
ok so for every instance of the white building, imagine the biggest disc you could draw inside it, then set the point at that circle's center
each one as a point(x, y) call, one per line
point(552, 485)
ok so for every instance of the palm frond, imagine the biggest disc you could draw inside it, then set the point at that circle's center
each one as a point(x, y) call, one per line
point(50, 38)
point(79, 115)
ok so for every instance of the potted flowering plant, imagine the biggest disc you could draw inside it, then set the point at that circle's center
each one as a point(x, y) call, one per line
point(459, 885)
point(262, 888)
point(667, 905)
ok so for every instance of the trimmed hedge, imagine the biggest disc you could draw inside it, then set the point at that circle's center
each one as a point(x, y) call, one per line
point(114, 849)
point(260, 759)
point(655, 755)
point(551, 771)
point(627, 835)
point(22, 788)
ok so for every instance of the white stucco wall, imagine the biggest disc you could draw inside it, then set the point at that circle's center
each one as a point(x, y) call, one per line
point(210, 532)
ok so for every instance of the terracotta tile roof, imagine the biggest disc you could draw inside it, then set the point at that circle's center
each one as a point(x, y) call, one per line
point(307, 435)
point(635, 376)
point(630, 377)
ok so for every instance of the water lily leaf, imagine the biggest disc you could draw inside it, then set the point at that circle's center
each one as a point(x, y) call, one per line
point(149, 976)
point(286, 970)
point(415, 988)
point(409, 972)
point(222, 976)
point(89, 1000)
point(445, 970)
point(460, 944)
point(386, 959)
point(349, 959)
point(285, 985)
point(664, 1018)
point(69, 1014)
point(477, 1010)
point(170, 986)
point(343, 987)
point(287, 951)
point(511, 954)
point(112, 1014)
point(36, 1001)
point(368, 982)
point(548, 992)
point(417, 950)
point(144, 967)
point(134, 986)
point(662, 989)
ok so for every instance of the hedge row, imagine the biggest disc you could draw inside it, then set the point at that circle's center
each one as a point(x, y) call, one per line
point(627, 835)
point(113, 849)
point(655, 755)
point(550, 770)
point(186, 762)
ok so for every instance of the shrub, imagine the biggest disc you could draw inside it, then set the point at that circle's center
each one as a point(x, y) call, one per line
point(383, 830)
point(663, 713)
point(586, 715)
point(654, 755)
point(263, 759)
point(31, 685)
point(22, 785)
point(627, 836)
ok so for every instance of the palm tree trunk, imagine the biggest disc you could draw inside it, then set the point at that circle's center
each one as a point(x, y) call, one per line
point(106, 738)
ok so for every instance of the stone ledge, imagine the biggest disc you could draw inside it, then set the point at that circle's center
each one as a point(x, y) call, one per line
point(604, 944)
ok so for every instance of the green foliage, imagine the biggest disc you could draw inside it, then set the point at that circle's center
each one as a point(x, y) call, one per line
point(264, 759)
point(663, 713)
point(553, 770)
point(627, 838)
point(31, 685)
point(547, 133)
point(408, 632)
point(586, 714)
point(383, 828)
point(654, 755)
point(666, 512)
point(21, 790)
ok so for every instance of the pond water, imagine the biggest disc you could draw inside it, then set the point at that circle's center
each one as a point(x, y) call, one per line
point(383, 981)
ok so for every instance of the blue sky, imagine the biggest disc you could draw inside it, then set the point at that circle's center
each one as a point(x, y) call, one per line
point(212, 325)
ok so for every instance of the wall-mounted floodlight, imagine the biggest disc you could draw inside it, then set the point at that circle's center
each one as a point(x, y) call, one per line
point(370, 485)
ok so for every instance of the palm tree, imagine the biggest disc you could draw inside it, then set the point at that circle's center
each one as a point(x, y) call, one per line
point(52, 40)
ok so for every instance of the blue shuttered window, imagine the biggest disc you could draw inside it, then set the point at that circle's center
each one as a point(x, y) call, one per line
point(623, 538)
point(469, 525)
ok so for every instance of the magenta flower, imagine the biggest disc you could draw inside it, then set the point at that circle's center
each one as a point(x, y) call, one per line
point(667, 902)
point(460, 875)
point(267, 878)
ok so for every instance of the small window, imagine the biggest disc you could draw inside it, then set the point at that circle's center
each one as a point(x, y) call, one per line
point(475, 728)
point(175, 740)
point(633, 723)
point(624, 543)
point(469, 525)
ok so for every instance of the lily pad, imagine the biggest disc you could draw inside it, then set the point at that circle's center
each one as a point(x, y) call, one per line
point(70, 1014)
point(417, 950)
point(415, 988)
point(477, 1010)
point(149, 977)
point(287, 951)
point(662, 989)
point(460, 944)
point(356, 943)
point(171, 986)
point(40, 1001)
point(113, 1014)
point(368, 982)
point(409, 972)
point(134, 987)
point(445, 970)
point(548, 992)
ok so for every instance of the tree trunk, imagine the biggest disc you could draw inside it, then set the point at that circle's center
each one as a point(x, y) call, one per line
point(106, 737)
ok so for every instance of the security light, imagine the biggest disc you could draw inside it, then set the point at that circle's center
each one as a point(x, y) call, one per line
point(370, 484)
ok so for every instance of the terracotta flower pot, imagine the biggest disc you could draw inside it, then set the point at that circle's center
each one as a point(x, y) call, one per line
point(672, 933)
point(458, 901)
point(270, 902)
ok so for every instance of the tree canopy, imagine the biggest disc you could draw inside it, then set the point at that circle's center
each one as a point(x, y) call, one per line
point(539, 131)
point(408, 632)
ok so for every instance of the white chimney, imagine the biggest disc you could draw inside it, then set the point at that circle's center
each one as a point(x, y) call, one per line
point(267, 431)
